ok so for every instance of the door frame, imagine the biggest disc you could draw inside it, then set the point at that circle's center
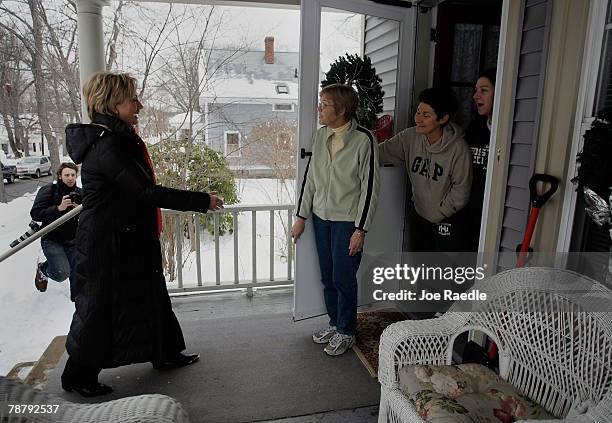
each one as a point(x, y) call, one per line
point(306, 260)
point(584, 115)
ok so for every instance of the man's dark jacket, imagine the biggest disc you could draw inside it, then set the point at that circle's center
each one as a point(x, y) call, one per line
point(45, 210)
point(123, 312)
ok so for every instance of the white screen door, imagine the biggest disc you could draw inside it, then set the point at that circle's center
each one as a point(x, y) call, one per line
point(386, 35)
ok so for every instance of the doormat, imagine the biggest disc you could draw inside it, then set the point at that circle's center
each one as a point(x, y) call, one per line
point(370, 326)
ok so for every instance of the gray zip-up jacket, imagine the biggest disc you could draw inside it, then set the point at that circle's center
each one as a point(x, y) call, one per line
point(440, 173)
point(344, 189)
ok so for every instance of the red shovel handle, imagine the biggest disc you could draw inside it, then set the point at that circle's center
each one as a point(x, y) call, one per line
point(537, 201)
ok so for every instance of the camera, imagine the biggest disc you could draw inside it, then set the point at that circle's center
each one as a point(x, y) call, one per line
point(75, 197)
point(33, 228)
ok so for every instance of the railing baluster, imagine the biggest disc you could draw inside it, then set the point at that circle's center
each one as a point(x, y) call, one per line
point(217, 255)
point(179, 250)
point(254, 243)
point(253, 250)
point(289, 244)
point(197, 241)
point(271, 245)
point(236, 279)
point(234, 211)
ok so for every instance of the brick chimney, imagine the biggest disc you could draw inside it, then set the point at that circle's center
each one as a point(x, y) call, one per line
point(269, 55)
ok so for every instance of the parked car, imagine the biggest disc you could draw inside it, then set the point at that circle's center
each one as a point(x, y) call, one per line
point(9, 172)
point(35, 166)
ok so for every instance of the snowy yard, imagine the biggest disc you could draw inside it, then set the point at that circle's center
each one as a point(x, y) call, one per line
point(30, 319)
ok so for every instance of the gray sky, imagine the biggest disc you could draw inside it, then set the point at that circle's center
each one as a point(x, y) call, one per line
point(340, 32)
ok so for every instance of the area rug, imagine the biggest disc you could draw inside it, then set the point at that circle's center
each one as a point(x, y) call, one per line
point(370, 326)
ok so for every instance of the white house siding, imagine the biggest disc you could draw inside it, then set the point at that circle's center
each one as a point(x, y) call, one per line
point(241, 117)
point(524, 134)
point(381, 43)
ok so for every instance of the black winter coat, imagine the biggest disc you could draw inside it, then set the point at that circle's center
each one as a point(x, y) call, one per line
point(45, 210)
point(123, 311)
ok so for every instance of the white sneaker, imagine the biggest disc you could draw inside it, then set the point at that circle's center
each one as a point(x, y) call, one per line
point(339, 344)
point(324, 335)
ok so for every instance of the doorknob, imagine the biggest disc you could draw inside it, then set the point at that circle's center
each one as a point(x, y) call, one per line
point(304, 153)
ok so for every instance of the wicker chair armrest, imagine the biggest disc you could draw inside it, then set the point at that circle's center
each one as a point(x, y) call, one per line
point(416, 342)
point(150, 408)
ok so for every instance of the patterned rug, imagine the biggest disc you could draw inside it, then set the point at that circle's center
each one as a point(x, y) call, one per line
point(370, 326)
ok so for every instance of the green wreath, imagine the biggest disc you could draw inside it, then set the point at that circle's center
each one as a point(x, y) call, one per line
point(358, 73)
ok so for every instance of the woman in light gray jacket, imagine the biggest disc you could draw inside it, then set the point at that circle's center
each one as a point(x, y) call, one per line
point(340, 191)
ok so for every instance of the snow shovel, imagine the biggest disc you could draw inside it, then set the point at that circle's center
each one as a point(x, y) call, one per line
point(537, 200)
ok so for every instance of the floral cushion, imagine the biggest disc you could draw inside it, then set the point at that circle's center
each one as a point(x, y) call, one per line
point(465, 393)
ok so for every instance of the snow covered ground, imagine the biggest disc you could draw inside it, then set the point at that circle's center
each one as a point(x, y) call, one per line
point(30, 319)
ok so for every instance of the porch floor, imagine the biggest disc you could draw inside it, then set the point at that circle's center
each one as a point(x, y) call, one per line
point(256, 365)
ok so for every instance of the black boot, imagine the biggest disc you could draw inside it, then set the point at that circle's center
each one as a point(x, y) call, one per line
point(92, 390)
point(83, 379)
point(177, 360)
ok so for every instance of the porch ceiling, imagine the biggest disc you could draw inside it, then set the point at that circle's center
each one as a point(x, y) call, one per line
point(274, 3)
point(245, 3)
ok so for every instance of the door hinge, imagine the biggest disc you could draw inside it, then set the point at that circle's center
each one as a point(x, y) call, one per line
point(304, 153)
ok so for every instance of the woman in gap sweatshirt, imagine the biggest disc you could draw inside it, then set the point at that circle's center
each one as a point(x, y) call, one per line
point(439, 165)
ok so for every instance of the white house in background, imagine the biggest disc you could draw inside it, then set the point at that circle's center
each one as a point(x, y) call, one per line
point(179, 126)
point(37, 143)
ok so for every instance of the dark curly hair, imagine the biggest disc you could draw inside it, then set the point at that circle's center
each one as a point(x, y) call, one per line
point(441, 99)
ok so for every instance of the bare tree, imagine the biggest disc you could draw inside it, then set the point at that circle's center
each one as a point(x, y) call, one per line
point(13, 86)
point(50, 60)
point(272, 143)
point(192, 66)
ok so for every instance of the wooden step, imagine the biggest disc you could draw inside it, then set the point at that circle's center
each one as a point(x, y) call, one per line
point(41, 368)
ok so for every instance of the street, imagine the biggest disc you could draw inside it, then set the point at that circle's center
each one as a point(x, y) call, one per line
point(24, 185)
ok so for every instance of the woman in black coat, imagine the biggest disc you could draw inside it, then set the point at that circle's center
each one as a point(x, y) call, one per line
point(123, 311)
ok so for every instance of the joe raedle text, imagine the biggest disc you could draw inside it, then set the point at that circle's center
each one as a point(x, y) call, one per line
point(424, 295)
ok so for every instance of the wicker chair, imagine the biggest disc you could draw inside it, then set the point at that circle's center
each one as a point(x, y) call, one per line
point(554, 339)
point(143, 408)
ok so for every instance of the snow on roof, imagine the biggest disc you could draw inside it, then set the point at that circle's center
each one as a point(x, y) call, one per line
point(182, 120)
point(237, 63)
point(245, 75)
point(252, 89)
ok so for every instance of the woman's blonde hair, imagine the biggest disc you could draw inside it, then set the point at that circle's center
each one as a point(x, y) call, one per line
point(105, 90)
point(345, 97)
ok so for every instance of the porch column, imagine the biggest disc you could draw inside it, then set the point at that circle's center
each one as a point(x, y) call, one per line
point(91, 42)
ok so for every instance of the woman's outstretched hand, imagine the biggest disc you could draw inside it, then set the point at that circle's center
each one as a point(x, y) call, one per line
point(215, 202)
point(297, 228)
point(356, 242)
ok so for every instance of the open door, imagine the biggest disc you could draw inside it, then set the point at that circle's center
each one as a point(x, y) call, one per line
point(387, 36)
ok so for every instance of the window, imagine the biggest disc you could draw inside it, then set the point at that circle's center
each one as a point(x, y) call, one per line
point(282, 89)
point(232, 143)
point(282, 107)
